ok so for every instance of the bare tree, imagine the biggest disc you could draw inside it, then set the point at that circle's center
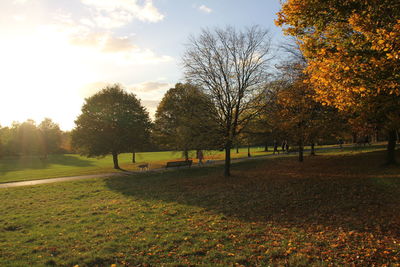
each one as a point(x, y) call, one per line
point(232, 67)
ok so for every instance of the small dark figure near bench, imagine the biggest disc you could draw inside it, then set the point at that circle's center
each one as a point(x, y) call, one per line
point(179, 163)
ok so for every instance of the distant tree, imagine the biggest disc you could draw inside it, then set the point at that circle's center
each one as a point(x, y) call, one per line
point(112, 122)
point(8, 137)
point(185, 120)
point(65, 145)
point(50, 135)
point(301, 118)
point(27, 138)
point(1, 142)
point(232, 67)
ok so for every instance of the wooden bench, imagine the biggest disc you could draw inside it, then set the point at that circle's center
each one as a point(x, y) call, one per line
point(179, 163)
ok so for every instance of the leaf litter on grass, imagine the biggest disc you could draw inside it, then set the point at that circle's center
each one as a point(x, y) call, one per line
point(331, 210)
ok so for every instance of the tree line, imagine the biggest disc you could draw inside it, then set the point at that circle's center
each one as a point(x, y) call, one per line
point(29, 139)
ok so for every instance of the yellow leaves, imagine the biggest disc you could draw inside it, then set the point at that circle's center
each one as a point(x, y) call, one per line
point(381, 42)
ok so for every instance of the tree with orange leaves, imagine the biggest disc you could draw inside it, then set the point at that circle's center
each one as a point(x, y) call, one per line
point(353, 53)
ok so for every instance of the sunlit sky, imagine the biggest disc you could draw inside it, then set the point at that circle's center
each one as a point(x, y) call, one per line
point(53, 54)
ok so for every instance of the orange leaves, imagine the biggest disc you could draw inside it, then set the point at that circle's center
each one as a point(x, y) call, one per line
point(353, 57)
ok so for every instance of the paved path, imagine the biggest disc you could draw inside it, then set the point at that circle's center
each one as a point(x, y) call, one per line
point(102, 175)
point(82, 177)
point(62, 179)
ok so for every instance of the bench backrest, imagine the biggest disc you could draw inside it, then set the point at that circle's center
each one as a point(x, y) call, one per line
point(179, 163)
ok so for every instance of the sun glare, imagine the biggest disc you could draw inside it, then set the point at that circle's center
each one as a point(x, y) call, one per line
point(42, 74)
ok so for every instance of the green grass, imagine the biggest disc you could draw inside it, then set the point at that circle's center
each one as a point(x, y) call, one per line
point(330, 210)
point(29, 168)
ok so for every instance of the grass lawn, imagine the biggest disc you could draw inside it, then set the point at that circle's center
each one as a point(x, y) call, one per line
point(329, 210)
point(29, 168)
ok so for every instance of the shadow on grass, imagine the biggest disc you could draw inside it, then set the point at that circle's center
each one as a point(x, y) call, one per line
point(35, 162)
point(352, 192)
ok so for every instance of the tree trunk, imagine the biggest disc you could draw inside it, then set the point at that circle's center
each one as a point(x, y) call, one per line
point(354, 138)
point(301, 150)
point(312, 153)
point(133, 156)
point(45, 150)
point(248, 151)
point(227, 167)
point(391, 148)
point(237, 149)
point(115, 160)
point(186, 154)
point(375, 136)
point(266, 147)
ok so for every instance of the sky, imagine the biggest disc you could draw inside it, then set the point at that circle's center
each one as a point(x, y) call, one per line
point(54, 54)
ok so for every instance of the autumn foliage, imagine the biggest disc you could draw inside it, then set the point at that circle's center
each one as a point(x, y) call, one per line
point(352, 48)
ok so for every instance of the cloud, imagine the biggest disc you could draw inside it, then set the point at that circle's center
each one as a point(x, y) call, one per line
point(205, 9)
point(150, 104)
point(110, 14)
point(144, 91)
point(104, 42)
point(92, 88)
point(151, 86)
point(20, 2)
point(151, 93)
point(19, 18)
point(140, 88)
point(101, 46)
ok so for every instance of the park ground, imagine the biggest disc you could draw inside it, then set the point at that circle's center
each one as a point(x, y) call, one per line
point(13, 169)
point(338, 209)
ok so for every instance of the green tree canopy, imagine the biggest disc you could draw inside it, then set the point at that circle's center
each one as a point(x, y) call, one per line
point(184, 120)
point(27, 138)
point(50, 135)
point(112, 122)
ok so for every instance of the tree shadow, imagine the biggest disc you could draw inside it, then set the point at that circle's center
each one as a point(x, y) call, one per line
point(337, 192)
point(35, 162)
